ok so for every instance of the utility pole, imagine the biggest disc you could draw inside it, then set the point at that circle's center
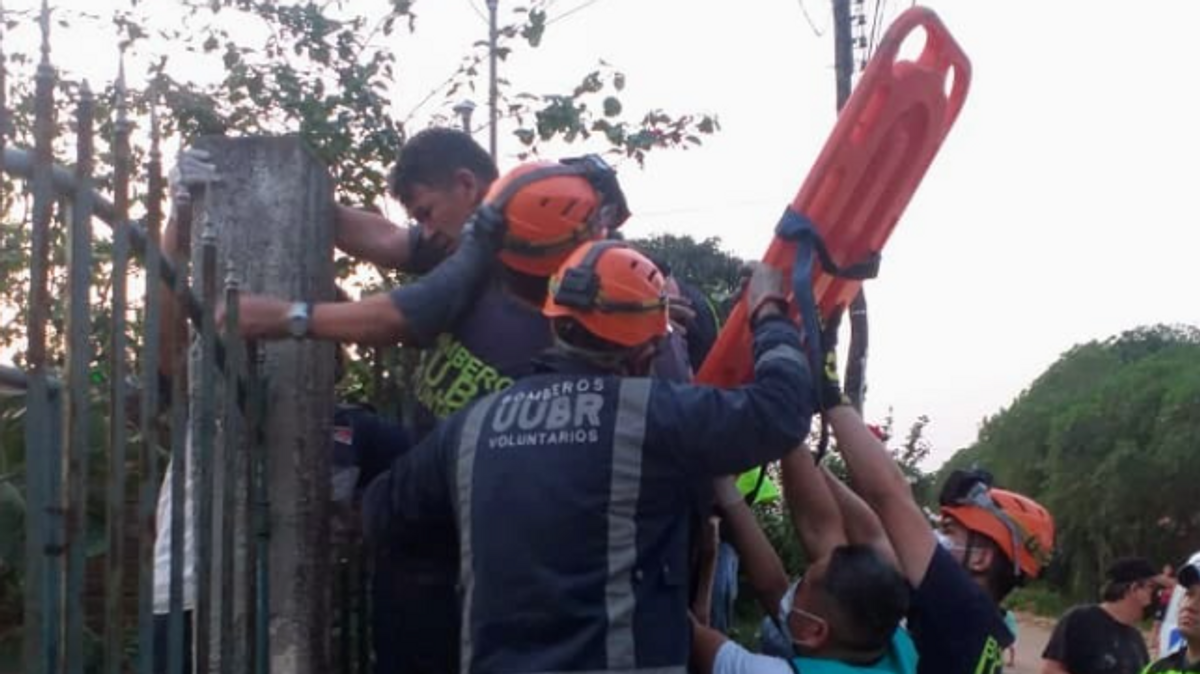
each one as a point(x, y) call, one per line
point(843, 48)
point(493, 34)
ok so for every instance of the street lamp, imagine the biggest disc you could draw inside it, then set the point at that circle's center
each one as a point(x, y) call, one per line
point(464, 110)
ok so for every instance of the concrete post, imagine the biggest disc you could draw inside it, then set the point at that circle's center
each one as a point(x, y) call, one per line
point(273, 217)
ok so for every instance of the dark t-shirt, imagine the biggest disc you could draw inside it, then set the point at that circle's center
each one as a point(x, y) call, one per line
point(1087, 640)
point(1175, 663)
point(493, 344)
point(955, 625)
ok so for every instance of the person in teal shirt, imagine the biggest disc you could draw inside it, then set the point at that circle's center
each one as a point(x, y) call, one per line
point(844, 614)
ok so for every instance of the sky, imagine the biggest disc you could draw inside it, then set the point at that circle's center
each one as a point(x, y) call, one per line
point(1061, 209)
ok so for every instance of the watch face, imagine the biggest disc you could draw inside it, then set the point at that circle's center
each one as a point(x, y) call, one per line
point(298, 320)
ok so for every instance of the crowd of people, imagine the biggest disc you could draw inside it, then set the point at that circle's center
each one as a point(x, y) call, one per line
point(569, 501)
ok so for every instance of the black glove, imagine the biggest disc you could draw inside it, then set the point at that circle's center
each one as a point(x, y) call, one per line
point(831, 386)
point(487, 226)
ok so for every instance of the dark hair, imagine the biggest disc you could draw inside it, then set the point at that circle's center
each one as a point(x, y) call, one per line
point(1000, 577)
point(865, 598)
point(1116, 591)
point(575, 334)
point(431, 158)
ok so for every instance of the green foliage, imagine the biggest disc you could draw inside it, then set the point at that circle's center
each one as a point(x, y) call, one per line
point(1106, 439)
point(1038, 599)
point(703, 264)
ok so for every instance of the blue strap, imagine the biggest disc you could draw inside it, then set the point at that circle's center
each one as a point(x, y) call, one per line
point(810, 247)
point(798, 228)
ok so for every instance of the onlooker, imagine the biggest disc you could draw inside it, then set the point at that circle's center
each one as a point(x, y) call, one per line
point(1187, 657)
point(1103, 638)
point(1167, 580)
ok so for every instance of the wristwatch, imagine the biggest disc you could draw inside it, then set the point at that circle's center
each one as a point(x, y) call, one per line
point(299, 315)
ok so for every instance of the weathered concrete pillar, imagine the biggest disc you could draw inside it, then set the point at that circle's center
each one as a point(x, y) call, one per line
point(272, 214)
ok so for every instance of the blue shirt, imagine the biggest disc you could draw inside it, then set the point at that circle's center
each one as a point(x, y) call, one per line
point(955, 625)
point(483, 352)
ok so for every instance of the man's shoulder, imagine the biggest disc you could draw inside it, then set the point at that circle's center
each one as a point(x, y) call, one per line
point(732, 658)
point(1083, 613)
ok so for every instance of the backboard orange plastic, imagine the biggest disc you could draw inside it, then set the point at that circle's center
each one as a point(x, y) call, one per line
point(885, 138)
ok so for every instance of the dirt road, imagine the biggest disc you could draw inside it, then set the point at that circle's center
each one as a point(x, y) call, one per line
point(1033, 633)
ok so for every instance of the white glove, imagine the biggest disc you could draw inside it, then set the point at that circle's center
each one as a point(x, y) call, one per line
point(192, 168)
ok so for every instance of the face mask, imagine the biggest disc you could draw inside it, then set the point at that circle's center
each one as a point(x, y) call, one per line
point(946, 542)
point(785, 608)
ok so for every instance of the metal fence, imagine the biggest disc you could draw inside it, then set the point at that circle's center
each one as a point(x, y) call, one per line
point(145, 414)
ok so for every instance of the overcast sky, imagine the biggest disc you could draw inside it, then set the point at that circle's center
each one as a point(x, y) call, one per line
point(1061, 209)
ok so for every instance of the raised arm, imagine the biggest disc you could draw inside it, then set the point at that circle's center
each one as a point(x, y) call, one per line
point(371, 237)
point(414, 313)
point(761, 563)
point(815, 513)
point(728, 431)
point(880, 482)
point(861, 524)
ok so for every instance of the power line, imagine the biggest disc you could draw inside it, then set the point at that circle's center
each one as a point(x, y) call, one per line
point(808, 17)
point(876, 31)
point(478, 12)
point(569, 12)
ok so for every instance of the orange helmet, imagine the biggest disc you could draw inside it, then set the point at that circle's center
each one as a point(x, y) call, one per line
point(549, 208)
point(1020, 526)
point(615, 292)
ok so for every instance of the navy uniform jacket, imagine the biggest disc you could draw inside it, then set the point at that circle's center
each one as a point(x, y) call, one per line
point(570, 491)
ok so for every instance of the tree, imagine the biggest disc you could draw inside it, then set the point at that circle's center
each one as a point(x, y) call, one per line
point(702, 264)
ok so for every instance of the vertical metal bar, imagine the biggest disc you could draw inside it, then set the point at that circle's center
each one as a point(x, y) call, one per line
point(52, 580)
point(180, 442)
point(113, 624)
point(79, 260)
point(345, 611)
point(148, 453)
point(41, 626)
point(262, 523)
point(204, 425)
point(232, 452)
point(363, 609)
point(3, 105)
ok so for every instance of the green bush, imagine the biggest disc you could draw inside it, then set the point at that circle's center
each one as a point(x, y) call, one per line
point(1038, 599)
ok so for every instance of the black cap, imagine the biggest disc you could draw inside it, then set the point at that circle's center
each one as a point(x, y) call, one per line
point(1131, 570)
point(1189, 574)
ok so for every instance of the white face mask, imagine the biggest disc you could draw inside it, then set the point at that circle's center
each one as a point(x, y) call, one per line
point(947, 542)
point(785, 608)
point(944, 540)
